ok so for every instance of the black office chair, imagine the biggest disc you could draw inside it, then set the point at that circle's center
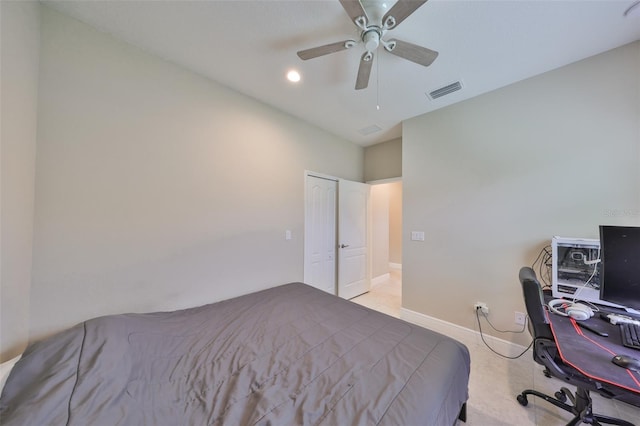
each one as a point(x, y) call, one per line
point(545, 352)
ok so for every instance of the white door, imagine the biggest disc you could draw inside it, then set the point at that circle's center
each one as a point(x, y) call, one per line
point(320, 233)
point(353, 201)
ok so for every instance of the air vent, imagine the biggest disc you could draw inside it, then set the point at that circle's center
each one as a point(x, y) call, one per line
point(443, 91)
point(369, 130)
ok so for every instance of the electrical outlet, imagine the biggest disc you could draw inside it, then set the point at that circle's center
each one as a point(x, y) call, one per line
point(520, 318)
point(417, 236)
point(482, 306)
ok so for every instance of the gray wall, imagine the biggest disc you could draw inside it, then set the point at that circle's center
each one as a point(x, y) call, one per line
point(158, 189)
point(20, 54)
point(383, 160)
point(492, 179)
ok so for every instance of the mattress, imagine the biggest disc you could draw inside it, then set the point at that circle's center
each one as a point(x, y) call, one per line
point(287, 355)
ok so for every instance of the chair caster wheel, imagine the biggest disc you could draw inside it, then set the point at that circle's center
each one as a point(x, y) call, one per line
point(561, 396)
point(522, 399)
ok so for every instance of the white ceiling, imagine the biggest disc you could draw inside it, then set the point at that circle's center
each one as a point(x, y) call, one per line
point(249, 45)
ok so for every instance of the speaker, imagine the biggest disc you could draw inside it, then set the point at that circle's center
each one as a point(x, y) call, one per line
point(566, 308)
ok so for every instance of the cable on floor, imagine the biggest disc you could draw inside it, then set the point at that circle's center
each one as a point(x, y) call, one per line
point(493, 350)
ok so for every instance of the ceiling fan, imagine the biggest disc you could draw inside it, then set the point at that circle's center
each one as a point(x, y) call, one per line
point(374, 20)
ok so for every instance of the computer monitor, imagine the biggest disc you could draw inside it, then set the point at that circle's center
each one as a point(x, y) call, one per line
point(620, 267)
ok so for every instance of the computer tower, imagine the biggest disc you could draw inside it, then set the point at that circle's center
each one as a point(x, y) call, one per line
point(575, 269)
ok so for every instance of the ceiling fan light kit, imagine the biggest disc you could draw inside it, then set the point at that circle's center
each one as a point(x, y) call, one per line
point(371, 39)
point(374, 19)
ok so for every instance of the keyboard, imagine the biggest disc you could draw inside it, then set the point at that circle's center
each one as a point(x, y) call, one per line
point(630, 335)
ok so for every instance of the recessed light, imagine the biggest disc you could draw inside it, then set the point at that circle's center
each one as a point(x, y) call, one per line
point(293, 76)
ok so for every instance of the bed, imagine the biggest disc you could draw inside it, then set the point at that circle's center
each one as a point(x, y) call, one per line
point(284, 356)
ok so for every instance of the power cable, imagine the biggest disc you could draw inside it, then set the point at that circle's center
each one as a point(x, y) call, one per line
point(493, 350)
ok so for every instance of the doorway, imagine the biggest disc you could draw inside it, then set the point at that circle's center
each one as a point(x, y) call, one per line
point(386, 240)
point(385, 294)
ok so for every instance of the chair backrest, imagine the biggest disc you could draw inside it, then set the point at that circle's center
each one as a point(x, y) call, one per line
point(534, 302)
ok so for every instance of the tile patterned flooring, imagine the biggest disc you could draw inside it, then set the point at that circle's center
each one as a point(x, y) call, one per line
point(495, 381)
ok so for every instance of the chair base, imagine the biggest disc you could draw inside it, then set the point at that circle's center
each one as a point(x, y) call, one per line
point(580, 407)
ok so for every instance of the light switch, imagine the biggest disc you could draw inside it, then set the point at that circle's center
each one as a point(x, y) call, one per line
point(287, 234)
point(417, 236)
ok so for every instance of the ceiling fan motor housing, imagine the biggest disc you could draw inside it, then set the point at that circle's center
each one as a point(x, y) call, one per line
point(376, 10)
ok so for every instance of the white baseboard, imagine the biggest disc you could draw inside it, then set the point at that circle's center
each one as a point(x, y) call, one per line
point(395, 266)
point(460, 333)
point(380, 279)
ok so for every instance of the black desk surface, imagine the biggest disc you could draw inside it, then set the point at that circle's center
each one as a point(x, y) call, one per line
point(591, 354)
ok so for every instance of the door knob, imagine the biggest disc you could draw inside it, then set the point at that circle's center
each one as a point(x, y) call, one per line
point(344, 245)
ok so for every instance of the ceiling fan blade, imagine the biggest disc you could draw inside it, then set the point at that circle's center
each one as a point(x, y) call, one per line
point(354, 9)
point(412, 52)
point(400, 11)
point(366, 61)
point(325, 50)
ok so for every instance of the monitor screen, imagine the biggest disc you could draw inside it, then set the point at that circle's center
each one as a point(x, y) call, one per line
point(620, 268)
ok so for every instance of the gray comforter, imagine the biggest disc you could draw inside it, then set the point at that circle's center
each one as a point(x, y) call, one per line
point(288, 355)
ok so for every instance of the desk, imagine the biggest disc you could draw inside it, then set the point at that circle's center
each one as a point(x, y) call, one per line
point(591, 354)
